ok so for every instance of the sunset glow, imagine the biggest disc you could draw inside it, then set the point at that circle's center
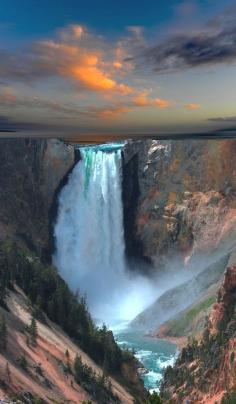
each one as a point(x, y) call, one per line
point(129, 77)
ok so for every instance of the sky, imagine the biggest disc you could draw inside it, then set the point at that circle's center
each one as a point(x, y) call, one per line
point(127, 67)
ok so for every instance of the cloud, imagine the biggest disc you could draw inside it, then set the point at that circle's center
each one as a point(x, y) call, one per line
point(6, 124)
point(143, 100)
point(73, 54)
point(24, 67)
point(223, 119)
point(215, 44)
point(136, 30)
point(192, 106)
point(160, 103)
point(9, 124)
point(9, 98)
point(113, 112)
point(83, 65)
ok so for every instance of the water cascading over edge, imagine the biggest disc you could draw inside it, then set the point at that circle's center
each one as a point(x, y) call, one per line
point(90, 240)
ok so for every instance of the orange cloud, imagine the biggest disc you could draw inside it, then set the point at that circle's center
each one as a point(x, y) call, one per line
point(192, 106)
point(112, 113)
point(120, 60)
point(84, 65)
point(117, 64)
point(142, 100)
point(8, 96)
point(77, 30)
point(160, 103)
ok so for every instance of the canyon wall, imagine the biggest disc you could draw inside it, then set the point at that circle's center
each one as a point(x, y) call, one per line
point(31, 172)
point(184, 199)
point(205, 371)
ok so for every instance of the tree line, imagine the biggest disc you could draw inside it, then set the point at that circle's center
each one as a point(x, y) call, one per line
point(49, 293)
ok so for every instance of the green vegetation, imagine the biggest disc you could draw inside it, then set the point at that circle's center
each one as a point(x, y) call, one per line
point(182, 322)
point(3, 333)
point(207, 356)
point(23, 363)
point(229, 398)
point(33, 333)
point(99, 387)
point(154, 399)
point(48, 293)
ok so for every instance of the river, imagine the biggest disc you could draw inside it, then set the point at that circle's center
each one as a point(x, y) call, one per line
point(153, 353)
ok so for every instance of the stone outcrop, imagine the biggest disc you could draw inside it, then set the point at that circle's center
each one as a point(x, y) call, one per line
point(223, 309)
point(31, 172)
point(185, 204)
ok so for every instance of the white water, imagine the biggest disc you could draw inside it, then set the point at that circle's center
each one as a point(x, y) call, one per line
point(154, 354)
point(90, 240)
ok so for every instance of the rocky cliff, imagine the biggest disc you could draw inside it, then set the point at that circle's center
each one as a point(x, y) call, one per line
point(31, 172)
point(185, 201)
point(205, 371)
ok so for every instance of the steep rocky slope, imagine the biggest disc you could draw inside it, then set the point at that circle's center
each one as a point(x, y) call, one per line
point(31, 171)
point(176, 299)
point(205, 371)
point(184, 199)
point(190, 322)
point(45, 374)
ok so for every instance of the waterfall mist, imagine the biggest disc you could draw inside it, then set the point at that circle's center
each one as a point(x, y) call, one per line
point(90, 240)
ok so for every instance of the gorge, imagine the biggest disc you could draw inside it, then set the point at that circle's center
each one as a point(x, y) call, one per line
point(90, 253)
point(145, 230)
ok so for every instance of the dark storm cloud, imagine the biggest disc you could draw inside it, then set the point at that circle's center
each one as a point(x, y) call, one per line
point(209, 47)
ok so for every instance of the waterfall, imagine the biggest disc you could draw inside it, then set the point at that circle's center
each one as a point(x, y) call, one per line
point(90, 238)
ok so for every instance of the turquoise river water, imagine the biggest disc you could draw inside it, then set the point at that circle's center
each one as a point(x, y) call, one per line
point(155, 355)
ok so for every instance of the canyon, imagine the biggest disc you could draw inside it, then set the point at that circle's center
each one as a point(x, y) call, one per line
point(179, 208)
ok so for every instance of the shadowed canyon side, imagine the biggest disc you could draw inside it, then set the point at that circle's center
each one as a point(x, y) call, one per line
point(30, 173)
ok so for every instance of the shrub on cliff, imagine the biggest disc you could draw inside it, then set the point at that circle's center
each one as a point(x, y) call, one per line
point(3, 333)
point(98, 386)
point(154, 399)
point(229, 398)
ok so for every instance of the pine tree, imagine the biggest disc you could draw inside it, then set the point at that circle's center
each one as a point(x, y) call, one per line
point(33, 332)
point(23, 362)
point(68, 367)
point(67, 355)
point(8, 372)
point(3, 333)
